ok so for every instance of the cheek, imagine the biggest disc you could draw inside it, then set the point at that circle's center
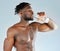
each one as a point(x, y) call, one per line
point(29, 13)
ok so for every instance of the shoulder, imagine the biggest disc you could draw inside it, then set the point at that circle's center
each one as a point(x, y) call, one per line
point(12, 28)
point(33, 23)
point(37, 24)
point(11, 31)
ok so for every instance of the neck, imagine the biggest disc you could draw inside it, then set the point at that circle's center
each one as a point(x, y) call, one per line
point(24, 22)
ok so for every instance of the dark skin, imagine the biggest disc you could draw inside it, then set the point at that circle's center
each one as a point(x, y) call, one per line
point(22, 34)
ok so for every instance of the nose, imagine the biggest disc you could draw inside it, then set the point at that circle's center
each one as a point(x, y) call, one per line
point(32, 12)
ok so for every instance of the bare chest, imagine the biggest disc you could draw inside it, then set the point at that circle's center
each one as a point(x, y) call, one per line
point(25, 34)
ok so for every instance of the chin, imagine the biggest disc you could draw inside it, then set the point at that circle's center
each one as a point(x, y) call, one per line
point(29, 19)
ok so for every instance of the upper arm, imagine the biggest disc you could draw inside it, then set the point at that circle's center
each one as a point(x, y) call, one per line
point(9, 41)
point(41, 27)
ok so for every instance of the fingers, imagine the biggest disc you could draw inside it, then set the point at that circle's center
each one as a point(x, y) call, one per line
point(41, 13)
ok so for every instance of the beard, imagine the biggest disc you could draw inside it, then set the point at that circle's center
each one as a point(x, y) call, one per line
point(27, 18)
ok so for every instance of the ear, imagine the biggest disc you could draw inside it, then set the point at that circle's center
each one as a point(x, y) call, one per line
point(20, 13)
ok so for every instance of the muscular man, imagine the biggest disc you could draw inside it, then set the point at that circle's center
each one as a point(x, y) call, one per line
point(21, 34)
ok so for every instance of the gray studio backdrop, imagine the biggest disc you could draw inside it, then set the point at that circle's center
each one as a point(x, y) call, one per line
point(45, 41)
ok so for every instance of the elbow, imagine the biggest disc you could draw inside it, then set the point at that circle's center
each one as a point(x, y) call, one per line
point(55, 27)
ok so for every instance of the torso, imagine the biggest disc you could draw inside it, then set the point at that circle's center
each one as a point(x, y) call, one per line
point(23, 39)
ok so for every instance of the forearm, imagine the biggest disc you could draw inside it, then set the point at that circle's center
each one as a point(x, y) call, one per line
point(52, 24)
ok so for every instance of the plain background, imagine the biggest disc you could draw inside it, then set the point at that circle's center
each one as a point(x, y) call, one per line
point(45, 41)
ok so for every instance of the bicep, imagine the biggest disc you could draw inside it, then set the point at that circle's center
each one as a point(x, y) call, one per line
point(43, 27)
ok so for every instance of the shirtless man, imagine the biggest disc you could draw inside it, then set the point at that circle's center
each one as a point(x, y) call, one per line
point(21, 34)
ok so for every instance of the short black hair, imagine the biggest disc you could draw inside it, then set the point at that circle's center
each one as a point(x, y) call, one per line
point(21, 6)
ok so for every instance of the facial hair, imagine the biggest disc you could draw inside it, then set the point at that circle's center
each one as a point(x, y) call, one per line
point(28, 18)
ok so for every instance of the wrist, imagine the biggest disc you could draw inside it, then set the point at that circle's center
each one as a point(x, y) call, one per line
point(46, 20)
